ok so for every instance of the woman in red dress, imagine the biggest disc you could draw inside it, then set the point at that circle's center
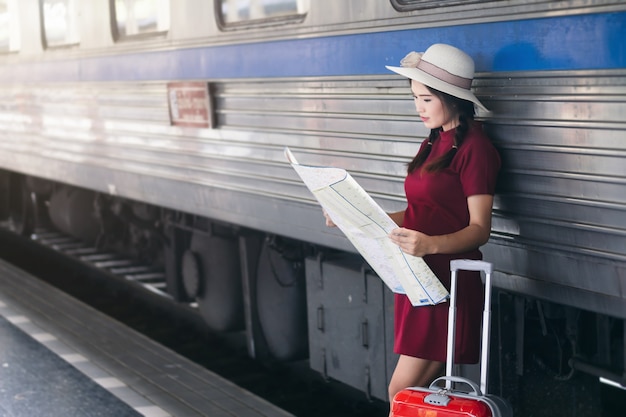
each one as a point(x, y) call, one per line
point(449, 190)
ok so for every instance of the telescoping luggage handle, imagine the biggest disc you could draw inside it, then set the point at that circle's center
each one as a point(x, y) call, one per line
point(470, 265)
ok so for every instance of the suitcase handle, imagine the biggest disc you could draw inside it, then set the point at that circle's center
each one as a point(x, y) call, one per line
point(476, 389)
point(470, 265)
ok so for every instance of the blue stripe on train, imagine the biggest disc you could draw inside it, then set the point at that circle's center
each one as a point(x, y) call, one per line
point(594, 41)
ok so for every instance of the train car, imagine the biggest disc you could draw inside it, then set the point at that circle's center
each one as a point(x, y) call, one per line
point(157, 128)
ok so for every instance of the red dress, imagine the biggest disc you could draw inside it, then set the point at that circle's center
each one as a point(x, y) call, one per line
point(437, 205)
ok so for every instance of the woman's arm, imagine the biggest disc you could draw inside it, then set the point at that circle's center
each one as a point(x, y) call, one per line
point(329, 221)
point(397, 217)
point(471, 237)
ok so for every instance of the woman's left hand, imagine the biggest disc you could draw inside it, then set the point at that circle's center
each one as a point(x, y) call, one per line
point(412, 242)
point(329, 221)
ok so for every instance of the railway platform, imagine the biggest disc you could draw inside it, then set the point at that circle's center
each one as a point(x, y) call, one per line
point(62, 358)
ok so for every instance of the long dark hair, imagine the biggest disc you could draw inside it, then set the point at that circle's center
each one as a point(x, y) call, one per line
point(464, 110)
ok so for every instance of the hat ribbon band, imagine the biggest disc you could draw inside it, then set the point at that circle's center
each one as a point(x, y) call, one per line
point(444, 75)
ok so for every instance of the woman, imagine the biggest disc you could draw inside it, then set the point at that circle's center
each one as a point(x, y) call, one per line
point(449, 189)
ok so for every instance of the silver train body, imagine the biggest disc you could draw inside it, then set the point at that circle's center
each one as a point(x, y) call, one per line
point(95, 116)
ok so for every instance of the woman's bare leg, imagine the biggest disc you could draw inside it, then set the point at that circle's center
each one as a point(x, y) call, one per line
point(413, 372)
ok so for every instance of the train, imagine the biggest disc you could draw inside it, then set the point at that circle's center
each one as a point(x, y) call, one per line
point(157, 129)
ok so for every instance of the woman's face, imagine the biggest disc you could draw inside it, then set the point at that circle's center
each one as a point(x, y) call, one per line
point(431, 109)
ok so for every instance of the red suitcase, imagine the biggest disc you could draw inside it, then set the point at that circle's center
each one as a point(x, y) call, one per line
point(444, 397)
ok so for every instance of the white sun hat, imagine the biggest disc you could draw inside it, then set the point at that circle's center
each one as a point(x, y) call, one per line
point(442, 67)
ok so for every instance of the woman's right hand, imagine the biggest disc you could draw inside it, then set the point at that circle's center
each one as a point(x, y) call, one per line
point(329, 222)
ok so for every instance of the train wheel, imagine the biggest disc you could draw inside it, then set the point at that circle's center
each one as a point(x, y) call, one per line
point(191, 274)
point(40, 192)
point(72, 211)
point(281, 301)
point(4, 194)
point(212, 273)
point(22, 205)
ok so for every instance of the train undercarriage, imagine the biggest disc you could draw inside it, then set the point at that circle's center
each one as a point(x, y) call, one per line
point(298, 301)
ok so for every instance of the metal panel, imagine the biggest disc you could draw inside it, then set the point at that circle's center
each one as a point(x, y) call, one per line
point(348, 321)
point(562, 186)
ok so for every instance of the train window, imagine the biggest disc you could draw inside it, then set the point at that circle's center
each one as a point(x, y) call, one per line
point(260, 12)
point(140, 17)
point(407, 5)
point(60, 22)
point(9, 27)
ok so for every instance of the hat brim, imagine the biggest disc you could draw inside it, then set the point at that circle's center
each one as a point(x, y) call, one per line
point(433, 82)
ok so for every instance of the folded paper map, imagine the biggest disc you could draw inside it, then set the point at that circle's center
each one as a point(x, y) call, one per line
point(367, 226)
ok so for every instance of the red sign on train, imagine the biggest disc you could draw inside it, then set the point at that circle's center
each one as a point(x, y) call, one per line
point(189, 104)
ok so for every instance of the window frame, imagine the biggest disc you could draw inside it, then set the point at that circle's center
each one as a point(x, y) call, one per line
point(13, 39)
point(44, 36)
point(413, 5)
point(256, 23)
point(117, 37)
